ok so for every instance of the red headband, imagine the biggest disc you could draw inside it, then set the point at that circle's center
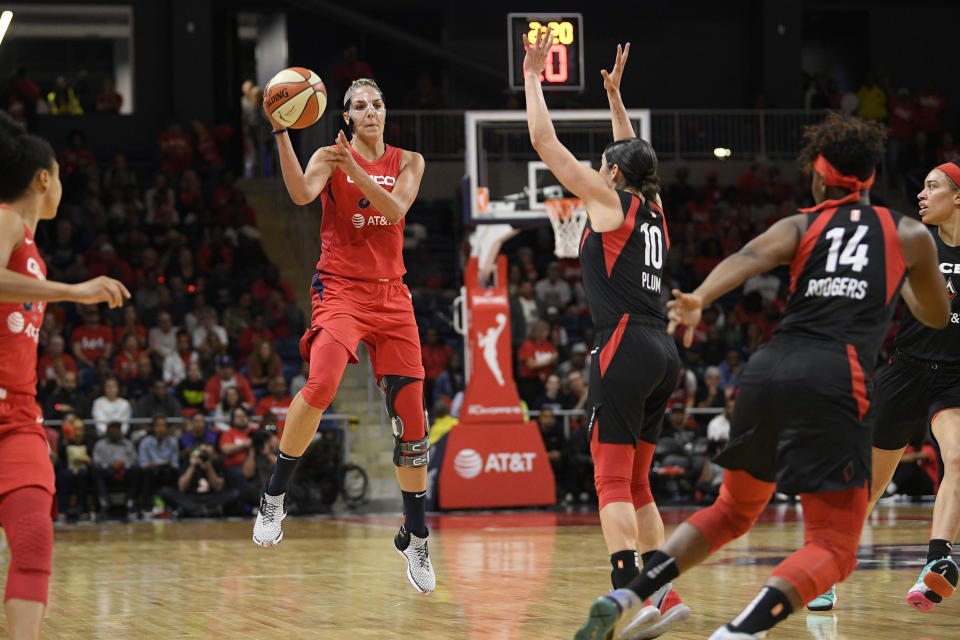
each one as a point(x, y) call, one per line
point(833, 178)
point(952, 171)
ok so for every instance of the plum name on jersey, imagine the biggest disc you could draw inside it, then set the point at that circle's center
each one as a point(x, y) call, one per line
point(386, 181)
point(837, 287)
point(650, 281)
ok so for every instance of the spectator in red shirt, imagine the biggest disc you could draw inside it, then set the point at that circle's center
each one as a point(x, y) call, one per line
point(76, 158)
point(918, 473)
point(237, 213)
point(210, 159)
point(271, 280)
point(176, 149)
point(214, 251)
point(47, 366)
point(276, 402)
point(92, 340)
point(235, 442)
point(263, 364)
point(350, 69)
point(536, 359)
point(125, 366)
point(109, 263)
point(930, 104)
point(226, 376)
point(253, 334)
point(283, 317)
point(223, 194)
point(131, 324)
point(435, 355)
point(108, 100)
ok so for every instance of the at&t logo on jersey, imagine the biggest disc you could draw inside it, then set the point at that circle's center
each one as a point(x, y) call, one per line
point(359, 220)
point(17, 324)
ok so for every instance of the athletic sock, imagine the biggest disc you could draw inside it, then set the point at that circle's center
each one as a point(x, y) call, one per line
point(658, 569)
point(281, 473)
point(625, 567)
point(938, 549)
point(769, 607)
point(645, 557)
point(415, 512)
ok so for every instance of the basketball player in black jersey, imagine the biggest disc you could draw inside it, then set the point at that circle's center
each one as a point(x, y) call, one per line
point(798, 422)
point(921, 386)
point(635, 364)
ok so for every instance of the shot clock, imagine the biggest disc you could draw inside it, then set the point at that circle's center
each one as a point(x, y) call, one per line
point(564, 69)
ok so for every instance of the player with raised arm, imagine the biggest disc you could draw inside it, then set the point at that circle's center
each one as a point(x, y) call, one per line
point(30, 191)
point(622, 251)
point(921, 386)
point(798, 423)
point(366, 188)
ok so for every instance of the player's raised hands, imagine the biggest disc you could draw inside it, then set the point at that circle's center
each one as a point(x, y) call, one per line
point(685, 309)
point(341, 155)
point(101, 289)
point(611, 80)
point(536, 58)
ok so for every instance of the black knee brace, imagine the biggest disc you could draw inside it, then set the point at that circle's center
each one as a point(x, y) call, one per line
point(405, 454)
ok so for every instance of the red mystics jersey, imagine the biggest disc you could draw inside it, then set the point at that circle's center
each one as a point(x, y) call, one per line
point(356, 240)
point(845, 278)
point(20, 325)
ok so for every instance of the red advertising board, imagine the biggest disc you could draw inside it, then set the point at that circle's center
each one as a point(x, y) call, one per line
point(495, 465)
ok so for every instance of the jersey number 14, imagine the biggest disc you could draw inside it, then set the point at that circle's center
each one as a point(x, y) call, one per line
point(854, 254)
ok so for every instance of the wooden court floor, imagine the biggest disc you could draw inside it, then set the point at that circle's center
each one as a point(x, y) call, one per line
point(500, 577)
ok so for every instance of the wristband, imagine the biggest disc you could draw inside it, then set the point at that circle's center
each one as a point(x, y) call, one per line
point(278, 131)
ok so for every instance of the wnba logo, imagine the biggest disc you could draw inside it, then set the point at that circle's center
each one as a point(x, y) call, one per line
point(358, 220)
point(468, 464)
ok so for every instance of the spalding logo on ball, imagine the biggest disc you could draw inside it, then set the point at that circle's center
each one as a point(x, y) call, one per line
point(295, 97)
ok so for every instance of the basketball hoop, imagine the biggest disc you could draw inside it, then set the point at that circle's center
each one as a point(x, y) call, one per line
point(568, 217)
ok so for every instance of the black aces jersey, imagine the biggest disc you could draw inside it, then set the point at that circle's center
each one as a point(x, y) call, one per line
point(623, 268)
point(920, 341)
point(845, 278)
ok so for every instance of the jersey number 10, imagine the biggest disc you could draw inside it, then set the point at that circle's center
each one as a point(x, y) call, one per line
point(854, 253)
point(652, 246)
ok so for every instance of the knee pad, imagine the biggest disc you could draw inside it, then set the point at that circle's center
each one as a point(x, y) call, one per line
point(31, 542)
point(408, 417)
point(327, 361)
point(612, 488)
point(742, 500)
point(612, 469)
point(640, 481)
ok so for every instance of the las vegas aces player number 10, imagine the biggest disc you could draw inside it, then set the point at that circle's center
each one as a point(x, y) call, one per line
point(564, 69)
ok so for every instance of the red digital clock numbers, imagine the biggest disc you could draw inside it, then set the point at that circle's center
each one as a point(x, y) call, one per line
point(564, 68)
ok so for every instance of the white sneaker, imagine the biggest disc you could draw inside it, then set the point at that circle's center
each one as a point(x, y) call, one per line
point(267, 531)
point(724, 633)
point(415, 552)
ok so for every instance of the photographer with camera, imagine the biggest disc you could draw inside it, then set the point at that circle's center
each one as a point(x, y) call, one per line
point(201, 488)
point(258, 465)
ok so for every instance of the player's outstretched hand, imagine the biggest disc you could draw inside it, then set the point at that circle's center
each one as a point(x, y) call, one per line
point(611, 80)
point(341, 155)
point(266, 114)
point(101, 289)
point(536, 58)
point(685, 309)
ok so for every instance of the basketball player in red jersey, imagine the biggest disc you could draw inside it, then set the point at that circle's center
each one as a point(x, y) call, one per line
point(799, 419)
point(366, 188)
point(622, 253)
point(29, 192)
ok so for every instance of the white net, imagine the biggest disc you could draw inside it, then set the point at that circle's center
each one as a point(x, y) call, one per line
point(568, 217)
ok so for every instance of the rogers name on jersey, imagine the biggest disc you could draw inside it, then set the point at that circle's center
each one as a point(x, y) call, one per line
point(837, 287)
point(386, 181)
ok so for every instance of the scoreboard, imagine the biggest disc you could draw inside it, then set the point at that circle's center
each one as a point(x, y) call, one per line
point(564, 69)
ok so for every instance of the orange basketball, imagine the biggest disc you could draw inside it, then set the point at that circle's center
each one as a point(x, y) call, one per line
point(295, 97)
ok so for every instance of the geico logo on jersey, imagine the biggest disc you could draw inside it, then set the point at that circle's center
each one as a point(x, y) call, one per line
point(359, 221)
point(949, 267)
point(469, 463)
point(386, 181)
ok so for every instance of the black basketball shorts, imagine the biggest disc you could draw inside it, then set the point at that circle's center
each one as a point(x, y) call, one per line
point(908, 394)
point(798, 418)
point(634, 369)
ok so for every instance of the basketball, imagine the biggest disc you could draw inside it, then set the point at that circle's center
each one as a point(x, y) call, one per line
point(295, 97)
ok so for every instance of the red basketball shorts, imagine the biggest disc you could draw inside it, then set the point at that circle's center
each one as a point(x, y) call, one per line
point(380, 314)
point(24, 452)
